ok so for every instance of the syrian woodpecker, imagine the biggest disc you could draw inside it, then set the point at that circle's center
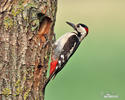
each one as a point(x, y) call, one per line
point(65, 47)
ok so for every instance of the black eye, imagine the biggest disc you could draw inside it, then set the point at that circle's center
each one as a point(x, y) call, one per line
point(78, 26)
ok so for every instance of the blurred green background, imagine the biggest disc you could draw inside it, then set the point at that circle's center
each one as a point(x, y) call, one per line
point(98, 66)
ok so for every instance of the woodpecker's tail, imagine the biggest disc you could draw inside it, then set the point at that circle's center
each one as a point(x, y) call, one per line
point(47, 81)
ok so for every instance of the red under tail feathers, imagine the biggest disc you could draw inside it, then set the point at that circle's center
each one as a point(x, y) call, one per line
point(53, 65)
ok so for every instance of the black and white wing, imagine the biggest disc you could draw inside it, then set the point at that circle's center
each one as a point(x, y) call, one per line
point(68, 50)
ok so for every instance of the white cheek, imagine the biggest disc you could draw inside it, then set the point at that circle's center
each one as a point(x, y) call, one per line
point(83, 30)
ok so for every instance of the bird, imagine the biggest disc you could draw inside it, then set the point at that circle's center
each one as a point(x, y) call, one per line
point(65, 47)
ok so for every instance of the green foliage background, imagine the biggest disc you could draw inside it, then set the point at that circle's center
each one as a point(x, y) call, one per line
point(98, 66)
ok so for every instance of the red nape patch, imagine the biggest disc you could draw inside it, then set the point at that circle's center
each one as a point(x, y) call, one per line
point(53, 66)
point(86, 29)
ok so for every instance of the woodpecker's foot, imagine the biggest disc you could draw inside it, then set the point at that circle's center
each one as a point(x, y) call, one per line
point(45, 44)
point(54, 38)
point(45, 84)
point(47, 41)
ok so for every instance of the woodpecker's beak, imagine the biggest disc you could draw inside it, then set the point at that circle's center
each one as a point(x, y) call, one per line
point(71, 24)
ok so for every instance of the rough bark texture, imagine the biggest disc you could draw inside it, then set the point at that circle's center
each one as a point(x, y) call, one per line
point(25, 28)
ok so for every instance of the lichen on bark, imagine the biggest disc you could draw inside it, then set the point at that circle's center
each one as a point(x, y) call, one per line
point(25, 27)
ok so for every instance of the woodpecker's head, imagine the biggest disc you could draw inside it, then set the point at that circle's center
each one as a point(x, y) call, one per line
point(81, 29)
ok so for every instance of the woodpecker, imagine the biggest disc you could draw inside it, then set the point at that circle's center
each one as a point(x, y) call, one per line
point(65, 47)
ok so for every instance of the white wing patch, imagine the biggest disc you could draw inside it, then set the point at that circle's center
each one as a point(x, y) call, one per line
point(59, 62)
point(56, 67)
point(62, 56)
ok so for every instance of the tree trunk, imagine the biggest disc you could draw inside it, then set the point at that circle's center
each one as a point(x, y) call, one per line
point(26, 33)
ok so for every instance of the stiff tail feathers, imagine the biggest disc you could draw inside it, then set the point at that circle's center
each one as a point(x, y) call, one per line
point(48, 80)
point(53, 65)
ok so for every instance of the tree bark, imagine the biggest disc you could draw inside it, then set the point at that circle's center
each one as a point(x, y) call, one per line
point(26, 33)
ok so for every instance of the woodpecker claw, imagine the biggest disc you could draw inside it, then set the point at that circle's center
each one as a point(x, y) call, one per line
point(45, 44)
point(47, 81)
point(47, 41)
point(54, 38)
